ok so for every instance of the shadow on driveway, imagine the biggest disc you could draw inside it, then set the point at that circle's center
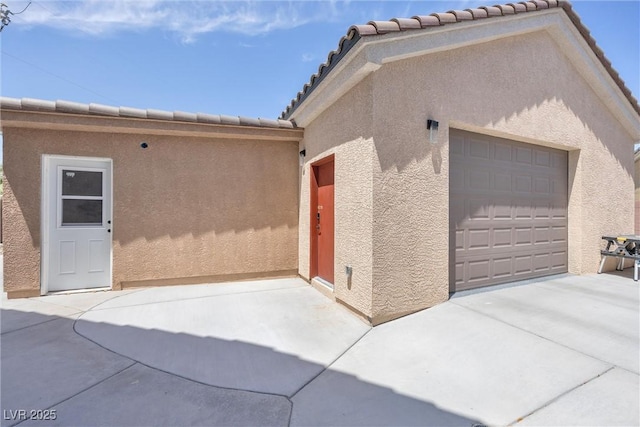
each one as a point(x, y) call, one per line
point(48, 366)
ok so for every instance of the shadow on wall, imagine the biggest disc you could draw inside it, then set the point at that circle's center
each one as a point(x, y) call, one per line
point(47, 365)
point(177, 186)
point(500, 85)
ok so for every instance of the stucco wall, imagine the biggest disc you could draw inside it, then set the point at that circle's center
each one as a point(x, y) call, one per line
point(344, 130)
point(521, 88)
point(186, 209)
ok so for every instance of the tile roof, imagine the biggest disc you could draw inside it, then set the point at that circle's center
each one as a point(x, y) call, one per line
point(373, 28)
point(68, 107)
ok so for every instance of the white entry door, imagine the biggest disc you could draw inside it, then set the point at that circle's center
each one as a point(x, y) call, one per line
point(77, 228)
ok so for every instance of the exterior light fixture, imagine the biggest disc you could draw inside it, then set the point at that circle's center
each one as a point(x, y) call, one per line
point(432, 127)
point(303, 153)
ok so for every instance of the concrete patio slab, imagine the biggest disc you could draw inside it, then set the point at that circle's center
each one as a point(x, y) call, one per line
point(609, 400)
point(83, 301)
point(145, 296)
point(18, 314)
point(608, 288)
point(452, 358)
point(582, 317)
point(140, 396)
point(48, 363)
point(267, 341)
point(497, 356)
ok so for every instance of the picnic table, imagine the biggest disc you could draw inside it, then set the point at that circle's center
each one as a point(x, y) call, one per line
point(622, 247)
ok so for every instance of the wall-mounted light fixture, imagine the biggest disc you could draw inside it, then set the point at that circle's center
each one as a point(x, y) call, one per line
point(303, 153)
point(432, 127)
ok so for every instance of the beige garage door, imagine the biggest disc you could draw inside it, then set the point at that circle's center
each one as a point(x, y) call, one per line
point(508, 210)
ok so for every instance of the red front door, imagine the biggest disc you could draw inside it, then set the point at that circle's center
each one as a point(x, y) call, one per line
point(322, 224)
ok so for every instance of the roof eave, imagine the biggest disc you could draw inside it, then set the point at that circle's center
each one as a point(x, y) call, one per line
point(370, 53)
point(52, 120)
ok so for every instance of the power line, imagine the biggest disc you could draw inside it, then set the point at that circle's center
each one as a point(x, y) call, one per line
point(60, 77)
point(5, 12)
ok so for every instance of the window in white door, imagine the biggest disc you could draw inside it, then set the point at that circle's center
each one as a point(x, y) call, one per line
point(81, 198)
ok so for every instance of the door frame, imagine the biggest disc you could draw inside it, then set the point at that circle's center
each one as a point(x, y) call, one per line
point(313, 201)
point(45, 210)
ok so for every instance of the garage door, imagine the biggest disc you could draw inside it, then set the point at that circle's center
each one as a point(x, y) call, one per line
point(508, 210)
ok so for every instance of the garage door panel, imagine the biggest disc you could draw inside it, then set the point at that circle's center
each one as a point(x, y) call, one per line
point(502, 152)
point(541, 262)
point(507, 268)
point(479, 149)
point(509, 213)
point(542, 158)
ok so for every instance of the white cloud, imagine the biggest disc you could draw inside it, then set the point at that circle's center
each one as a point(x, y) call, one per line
point(308, 57)
point(188, 19)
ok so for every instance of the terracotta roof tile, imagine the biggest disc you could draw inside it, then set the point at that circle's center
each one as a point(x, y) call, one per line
point(541, 4)
point(445, 18)
point(249, 121)
point(365, 30)
point(133, 112)
point(68, 107)
point(182, 116)
point(506, 9)
point(285, 124)
point(72, 107)
point(427, 21)
point(492, 10)
point(38, 104)
point(375, 28)
point(462, 15)
point(209, 118)
point(518, 7)
point(103, 110)
point(269, 123)
point(159, 115)
point(229, 120)
point(478, 13)
point(12, 103)
point(407, 23)
point(383, 27)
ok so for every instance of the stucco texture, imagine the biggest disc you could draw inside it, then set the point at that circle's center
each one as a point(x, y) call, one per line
point(344, 131)
point(185, 210)
point(521, 88)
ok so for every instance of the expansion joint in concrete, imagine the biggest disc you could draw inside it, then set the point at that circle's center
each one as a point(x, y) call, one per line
point(85, 389)
point(560, 396)
point(330, 364)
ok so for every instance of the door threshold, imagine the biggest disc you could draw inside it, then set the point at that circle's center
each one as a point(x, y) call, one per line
point(78, 291)
point(323, 282)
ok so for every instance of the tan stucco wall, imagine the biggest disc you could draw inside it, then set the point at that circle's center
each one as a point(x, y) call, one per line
point(521, 88)
point(186, 209)
point(345, 131)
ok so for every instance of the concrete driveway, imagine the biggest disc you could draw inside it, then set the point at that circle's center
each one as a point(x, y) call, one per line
point(563, 351)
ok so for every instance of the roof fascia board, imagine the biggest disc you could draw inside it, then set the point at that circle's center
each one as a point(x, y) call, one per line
point(353, 68)
point(83, 123)
point(370, 53)
point(584, 59)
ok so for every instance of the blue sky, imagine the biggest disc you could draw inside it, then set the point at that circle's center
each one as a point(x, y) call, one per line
point(236, 58)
